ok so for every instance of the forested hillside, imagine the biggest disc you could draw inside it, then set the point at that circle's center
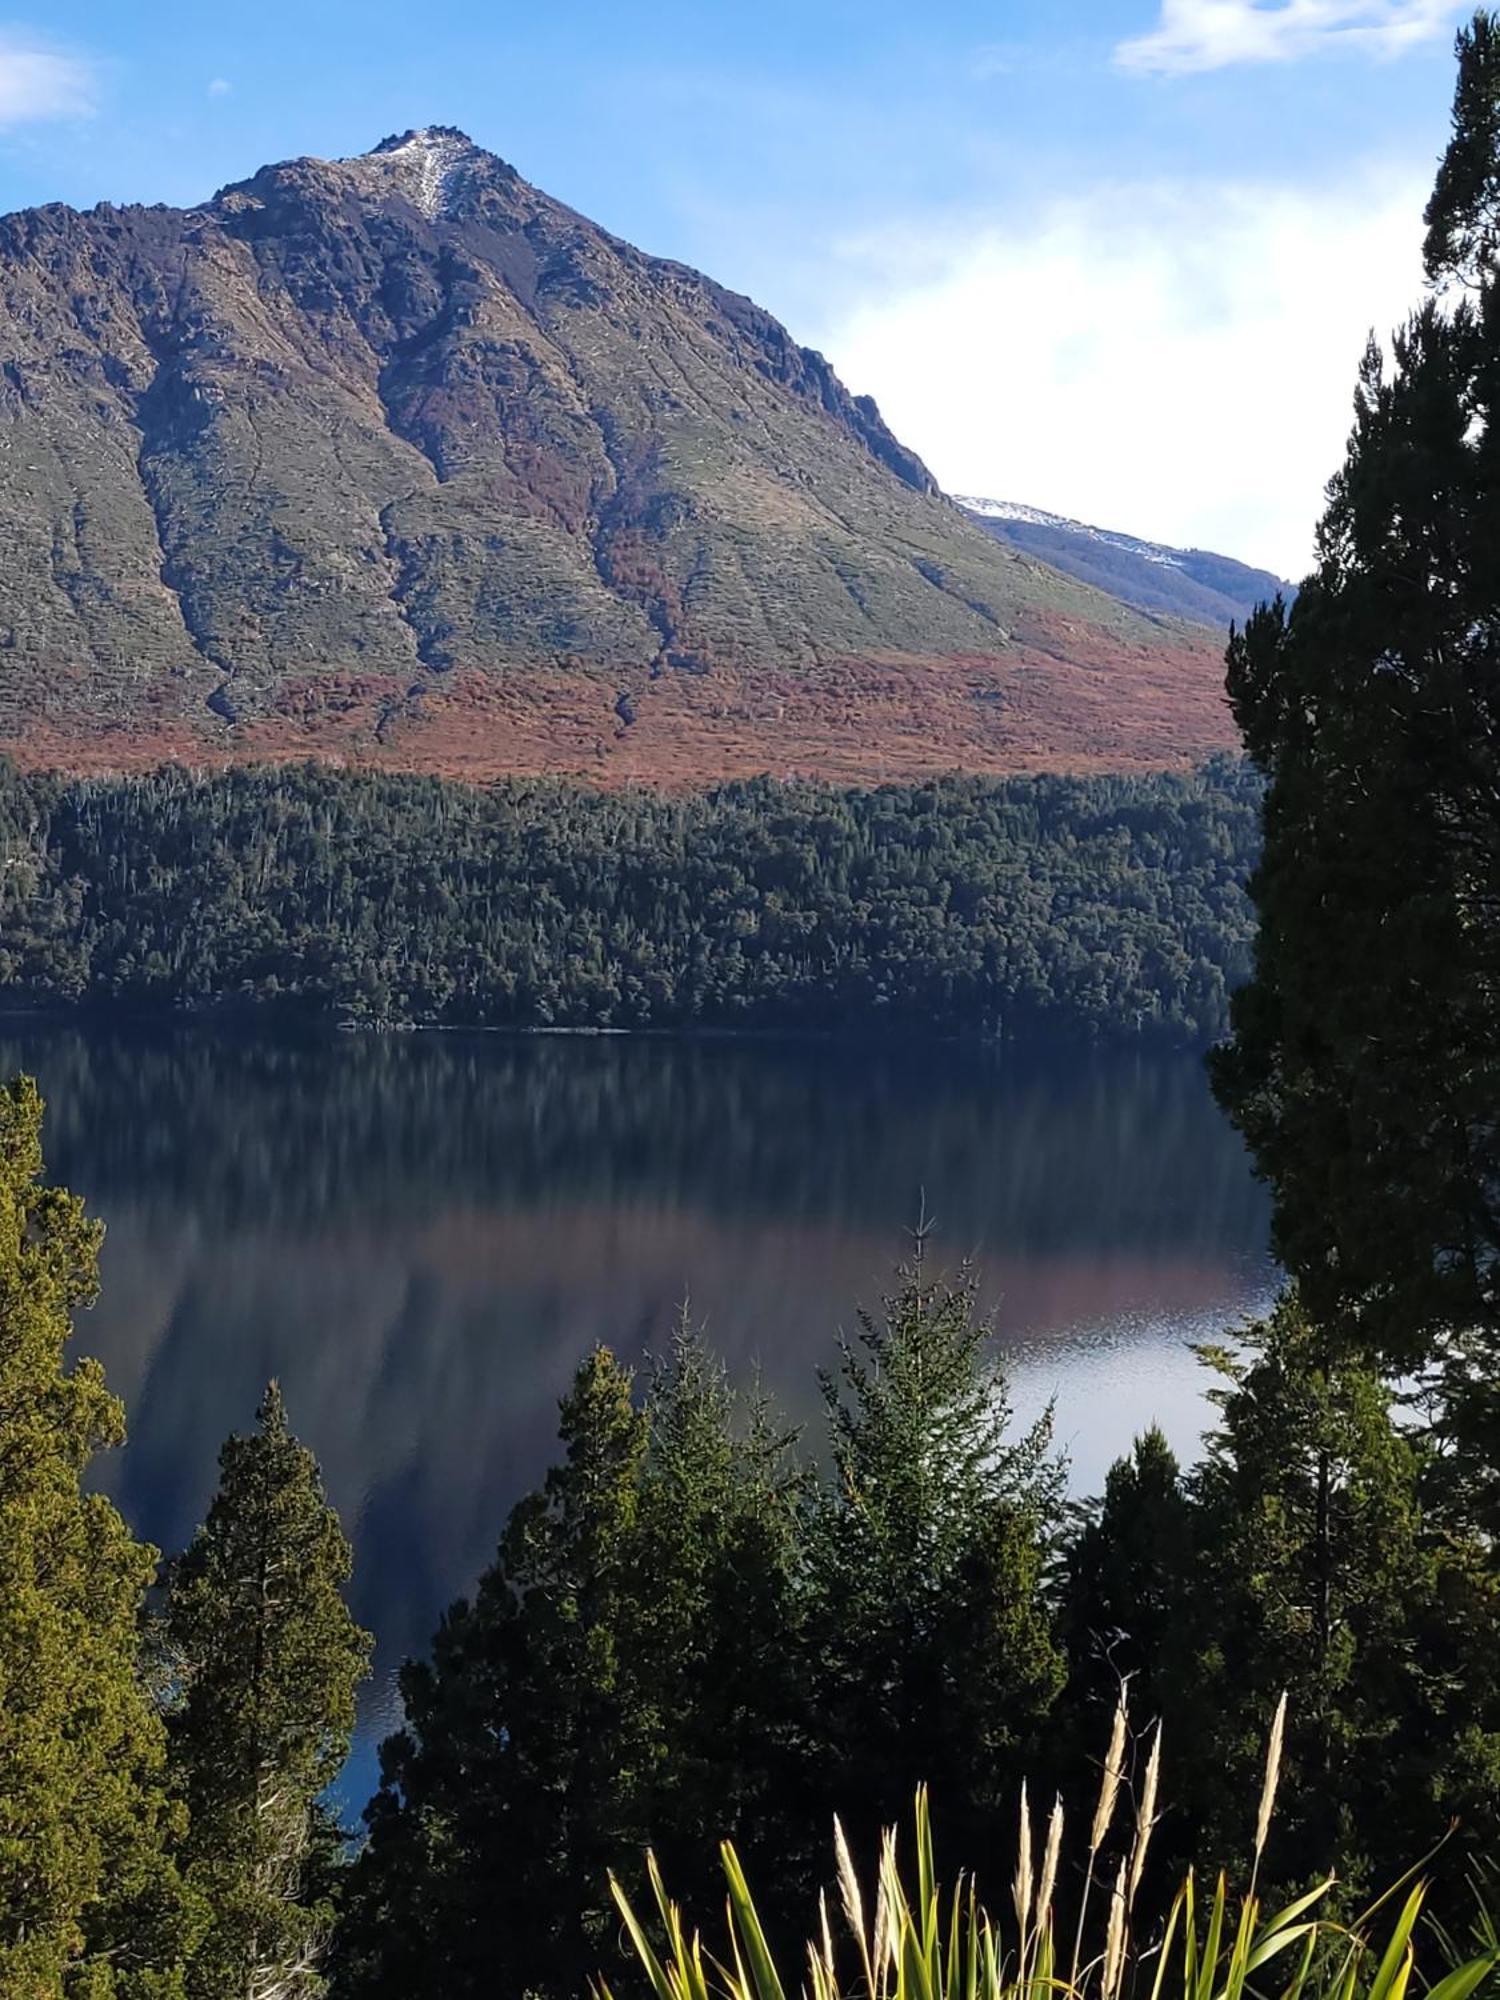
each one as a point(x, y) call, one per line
point(1099, 905)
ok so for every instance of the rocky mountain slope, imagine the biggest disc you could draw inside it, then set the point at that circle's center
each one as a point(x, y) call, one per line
point(397, 459)
point(1153, 576)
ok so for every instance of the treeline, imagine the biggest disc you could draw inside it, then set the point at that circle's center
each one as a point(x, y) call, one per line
point(702, 1626)
point(1101, 906)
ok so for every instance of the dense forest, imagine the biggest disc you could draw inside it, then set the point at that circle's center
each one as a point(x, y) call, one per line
point(1099, 906)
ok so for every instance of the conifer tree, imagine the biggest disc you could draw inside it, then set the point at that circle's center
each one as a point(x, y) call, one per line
point(88, 1901)
point(625, 1675)
point(931, 1657)
point(1127, 1581)
point(1365, 1065)
point(715, 1630)
point(266, 1661)
point(1318, 1571)
point(519, 1777)
point(1365, 1073)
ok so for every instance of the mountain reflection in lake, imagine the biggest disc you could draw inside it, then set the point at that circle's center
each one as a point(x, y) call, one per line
point(421, 1235)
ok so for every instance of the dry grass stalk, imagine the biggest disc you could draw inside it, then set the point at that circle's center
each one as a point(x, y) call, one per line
point(1104, 1811)
point(854, 1908)
point(1145, 1817)
point(1114, 1939)
point(1021, 1887)
point(1051, 1854)
point(1114, 1772)
point(888, 1904)
point(1272, 1777)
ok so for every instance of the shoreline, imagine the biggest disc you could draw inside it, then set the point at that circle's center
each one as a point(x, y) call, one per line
point(275, 1024)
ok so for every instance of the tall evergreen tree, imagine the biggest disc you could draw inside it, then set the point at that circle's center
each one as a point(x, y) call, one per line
point(520, 1775)
point(1365, 1065)
point(625, 1675)
point(1365, 1073)
point(266, 1660)
point(931, 1657)
point(715, 1628)
point(1126, 1586)
point(88, 1902)
point(1317, 1570)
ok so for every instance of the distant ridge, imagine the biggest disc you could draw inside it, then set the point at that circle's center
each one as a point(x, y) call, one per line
point(1153, 576)
point(397, 460)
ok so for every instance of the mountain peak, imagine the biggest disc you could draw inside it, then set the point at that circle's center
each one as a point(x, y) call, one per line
point(431, 165)
point(423, 135)
point(397, 458)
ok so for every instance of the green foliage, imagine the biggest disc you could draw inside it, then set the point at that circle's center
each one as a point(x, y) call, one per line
point(521, 1770)
point(1365, 1066)
point(622, 1673)
point(1312, 1564)
point(1126, 1587)
point(1099, 905)
point(264, 1660)
point(88, 1900)
point(930, 1649)
point(1352, 1553)
point(715, 1622)
point(685, 1631)
point(1463, 216)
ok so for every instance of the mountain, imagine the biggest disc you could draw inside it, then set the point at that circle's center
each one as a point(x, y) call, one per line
point(1181, 583)
point(396, 459)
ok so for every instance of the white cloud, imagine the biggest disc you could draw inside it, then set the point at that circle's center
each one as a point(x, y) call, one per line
point(39, 81)
point(1178, 362)
point(220, 87)
point(1210, 34)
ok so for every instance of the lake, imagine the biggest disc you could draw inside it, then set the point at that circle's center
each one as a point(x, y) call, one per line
point(421, 1235)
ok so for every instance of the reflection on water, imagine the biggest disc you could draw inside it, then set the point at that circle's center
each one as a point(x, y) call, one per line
point(420, 1235)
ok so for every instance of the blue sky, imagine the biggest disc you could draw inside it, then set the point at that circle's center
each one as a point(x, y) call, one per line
point(1115, 258)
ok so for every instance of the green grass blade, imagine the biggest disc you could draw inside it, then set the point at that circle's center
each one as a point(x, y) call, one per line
point(655, 1971)
point(1270, 1943)
point(1208, 1970)
point(1299, 1977)
point(914, 1966)
point(1181, 1902)
point(767, 1981)
point(1395, 1967)
point(927, 1893)
point(953, 1964)
point(1190, 1939)
point(1464, 1980)
point(1297, 1908)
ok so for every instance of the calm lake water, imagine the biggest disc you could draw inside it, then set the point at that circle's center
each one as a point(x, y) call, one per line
point(421, 1235)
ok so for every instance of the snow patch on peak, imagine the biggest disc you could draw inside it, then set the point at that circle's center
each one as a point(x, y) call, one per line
point(1012, 510)
point(431, 167)
point(1037, 517)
